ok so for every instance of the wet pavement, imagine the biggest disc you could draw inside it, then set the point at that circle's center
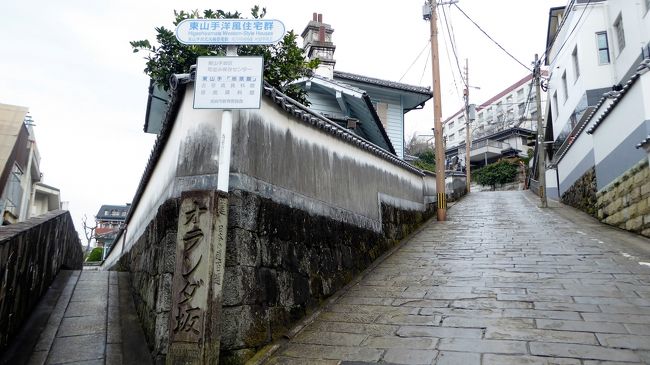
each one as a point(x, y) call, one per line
point(501, 282)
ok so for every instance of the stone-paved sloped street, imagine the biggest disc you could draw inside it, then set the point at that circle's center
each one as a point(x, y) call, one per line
point(501, 282)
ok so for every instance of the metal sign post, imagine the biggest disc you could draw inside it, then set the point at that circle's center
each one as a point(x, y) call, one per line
point(224, 83)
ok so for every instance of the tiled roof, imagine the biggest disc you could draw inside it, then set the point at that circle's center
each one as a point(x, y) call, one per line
point(644, 143)
point(384, 83)
point(617, 96)
point(307, 115)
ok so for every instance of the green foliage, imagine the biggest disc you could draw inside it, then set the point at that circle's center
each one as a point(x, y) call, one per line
point(426, 160)
point(284, 62)
point(501, 172)
point(95, 255)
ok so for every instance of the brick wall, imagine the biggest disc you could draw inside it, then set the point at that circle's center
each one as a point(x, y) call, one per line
point(625, 203)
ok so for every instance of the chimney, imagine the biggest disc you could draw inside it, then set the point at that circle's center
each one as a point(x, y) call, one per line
point(318, 43)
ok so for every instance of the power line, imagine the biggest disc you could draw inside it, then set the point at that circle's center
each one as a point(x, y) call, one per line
point(415, 60)
point(453, 46)
point(425, 68)
point(453, 74)
point(492, 39)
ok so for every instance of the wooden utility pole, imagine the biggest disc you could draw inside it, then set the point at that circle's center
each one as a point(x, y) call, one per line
point(468, 139)
point(541, 152)
point(429, 13)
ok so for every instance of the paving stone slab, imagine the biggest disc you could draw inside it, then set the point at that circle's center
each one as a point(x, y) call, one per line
point(372, 329)
point(77, 348)
point(458, 358)
point(634, 342)
point(330, 338)
point(440, 332)
point(582, 352)
point(491, 359)
point(483, 346)
point(333, 352)
point(388, 342)
point(409, 356)
point(543, 335)
point(581, 326)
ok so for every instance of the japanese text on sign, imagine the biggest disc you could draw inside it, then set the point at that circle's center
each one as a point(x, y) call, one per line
point(228, 83)
point(229, 31)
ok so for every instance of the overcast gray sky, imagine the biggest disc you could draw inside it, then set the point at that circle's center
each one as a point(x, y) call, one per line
point(70, 63)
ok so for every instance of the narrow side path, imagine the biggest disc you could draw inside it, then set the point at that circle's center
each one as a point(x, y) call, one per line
point(501, 282)
point(91, 322)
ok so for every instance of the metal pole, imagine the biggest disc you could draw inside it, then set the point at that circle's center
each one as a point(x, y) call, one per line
point(468, 140)
point(437, 117)
point(223, 176)
point(541, 153)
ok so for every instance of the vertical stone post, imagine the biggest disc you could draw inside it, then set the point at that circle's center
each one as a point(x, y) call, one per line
point(197, 286)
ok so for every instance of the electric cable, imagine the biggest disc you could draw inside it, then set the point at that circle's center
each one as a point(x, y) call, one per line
point(453, 46)
point(586, 5)
point(415, 60)
point(492, 39)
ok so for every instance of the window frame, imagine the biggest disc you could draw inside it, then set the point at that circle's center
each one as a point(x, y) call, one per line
point(565, 86)
point(619, 29)
point(604, 35)
point(576, 63)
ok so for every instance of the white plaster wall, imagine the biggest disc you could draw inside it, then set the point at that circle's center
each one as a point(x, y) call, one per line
point(626, 117)
point(570, 168)
point(161, 184)
point(406, 187)
point(636, 23)
point(592, 74)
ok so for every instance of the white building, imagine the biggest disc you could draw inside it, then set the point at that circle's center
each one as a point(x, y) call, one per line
point(599, 95)
point(22, 192)
point(502, 126)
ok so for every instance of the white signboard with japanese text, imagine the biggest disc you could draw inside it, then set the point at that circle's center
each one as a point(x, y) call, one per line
point(228, 82)
point(230, 31)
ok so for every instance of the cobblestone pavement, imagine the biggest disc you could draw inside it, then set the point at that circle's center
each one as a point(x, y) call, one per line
point(93, 323)
point(501, 282)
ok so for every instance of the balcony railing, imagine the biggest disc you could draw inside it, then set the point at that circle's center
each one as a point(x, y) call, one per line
point(489, 143)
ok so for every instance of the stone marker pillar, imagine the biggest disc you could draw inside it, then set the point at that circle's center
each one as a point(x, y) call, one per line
point(197, 286)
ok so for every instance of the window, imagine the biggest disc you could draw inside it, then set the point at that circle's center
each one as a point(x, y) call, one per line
point(620, 33)
point(557, 110)
point(603, 47)
point(106, 212)
point(522, 108)
point(451, 125)
point(520, 94)
point(576, 65)
point(461, 132)
point(480, 115)
point(647, 5)
point(565, 88)
point(115, 213)
point(452, 137)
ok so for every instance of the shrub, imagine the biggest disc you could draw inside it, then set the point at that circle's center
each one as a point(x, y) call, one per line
point(501, 172)
point(95, 255)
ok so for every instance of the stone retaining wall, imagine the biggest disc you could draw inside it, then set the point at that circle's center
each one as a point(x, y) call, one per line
point(281, 263)
point(582, 194)
point(625, 203)
point(31, 254)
